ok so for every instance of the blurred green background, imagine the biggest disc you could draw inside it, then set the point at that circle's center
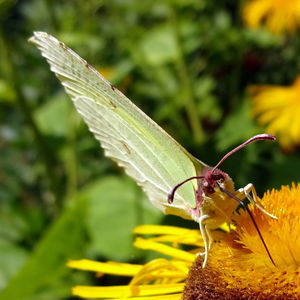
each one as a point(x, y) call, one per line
point(186, 63)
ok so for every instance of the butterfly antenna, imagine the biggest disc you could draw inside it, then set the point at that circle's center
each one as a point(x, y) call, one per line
point(173, 190)
point(259, 137)
point(252, 219)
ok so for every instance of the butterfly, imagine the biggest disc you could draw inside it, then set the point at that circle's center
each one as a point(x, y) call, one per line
point(174, 180)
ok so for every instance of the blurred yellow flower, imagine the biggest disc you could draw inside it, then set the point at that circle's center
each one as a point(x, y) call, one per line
point(277, 15)
point(278, 107)
point(238, 265)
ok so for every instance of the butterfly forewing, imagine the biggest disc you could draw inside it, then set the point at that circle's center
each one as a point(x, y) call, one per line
point(146, 152)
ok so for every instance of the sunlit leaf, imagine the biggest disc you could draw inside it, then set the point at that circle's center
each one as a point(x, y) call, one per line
point(116, 206)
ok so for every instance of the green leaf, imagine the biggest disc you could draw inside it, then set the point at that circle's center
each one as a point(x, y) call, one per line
point(159, 46)
point(115, 208)
point(7, 94)
point(12, 226)
point(46, 267)
point(207, 105)
point(52, 117)
point(12, 258)
point(237, 128)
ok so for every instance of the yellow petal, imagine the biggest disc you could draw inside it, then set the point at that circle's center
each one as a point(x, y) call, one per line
point(157, 229)
point(164, 249)
point(107, 268)
point(112, 292)
point(194, 240)
point(175, 235)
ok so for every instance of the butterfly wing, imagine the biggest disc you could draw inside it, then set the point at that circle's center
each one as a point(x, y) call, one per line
point(146, 152)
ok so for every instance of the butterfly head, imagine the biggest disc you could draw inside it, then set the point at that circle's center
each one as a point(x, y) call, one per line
point(212, 179)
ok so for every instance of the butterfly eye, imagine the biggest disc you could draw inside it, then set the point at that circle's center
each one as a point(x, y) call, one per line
point(218, 177)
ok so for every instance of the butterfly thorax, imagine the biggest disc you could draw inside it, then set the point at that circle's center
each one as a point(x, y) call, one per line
point(212, 201)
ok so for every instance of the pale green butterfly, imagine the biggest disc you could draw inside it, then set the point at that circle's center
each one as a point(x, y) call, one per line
point(148, 154)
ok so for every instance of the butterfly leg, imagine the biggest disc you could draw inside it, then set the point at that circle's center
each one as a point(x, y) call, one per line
point(207, 238)
point(250, 193)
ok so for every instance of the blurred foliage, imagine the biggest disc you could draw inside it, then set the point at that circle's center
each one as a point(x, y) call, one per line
point(186, 63)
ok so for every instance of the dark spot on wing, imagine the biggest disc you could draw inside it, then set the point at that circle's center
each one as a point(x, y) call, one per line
point(112, 104)
point(88, 66)
point(83, 61)
point(63, 46)
point(125, 147)
point(112, 87)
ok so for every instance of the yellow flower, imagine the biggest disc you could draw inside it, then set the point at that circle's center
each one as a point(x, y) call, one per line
point(277, 15)
point(278, 107)
point(238, 265)
point(240, 268)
